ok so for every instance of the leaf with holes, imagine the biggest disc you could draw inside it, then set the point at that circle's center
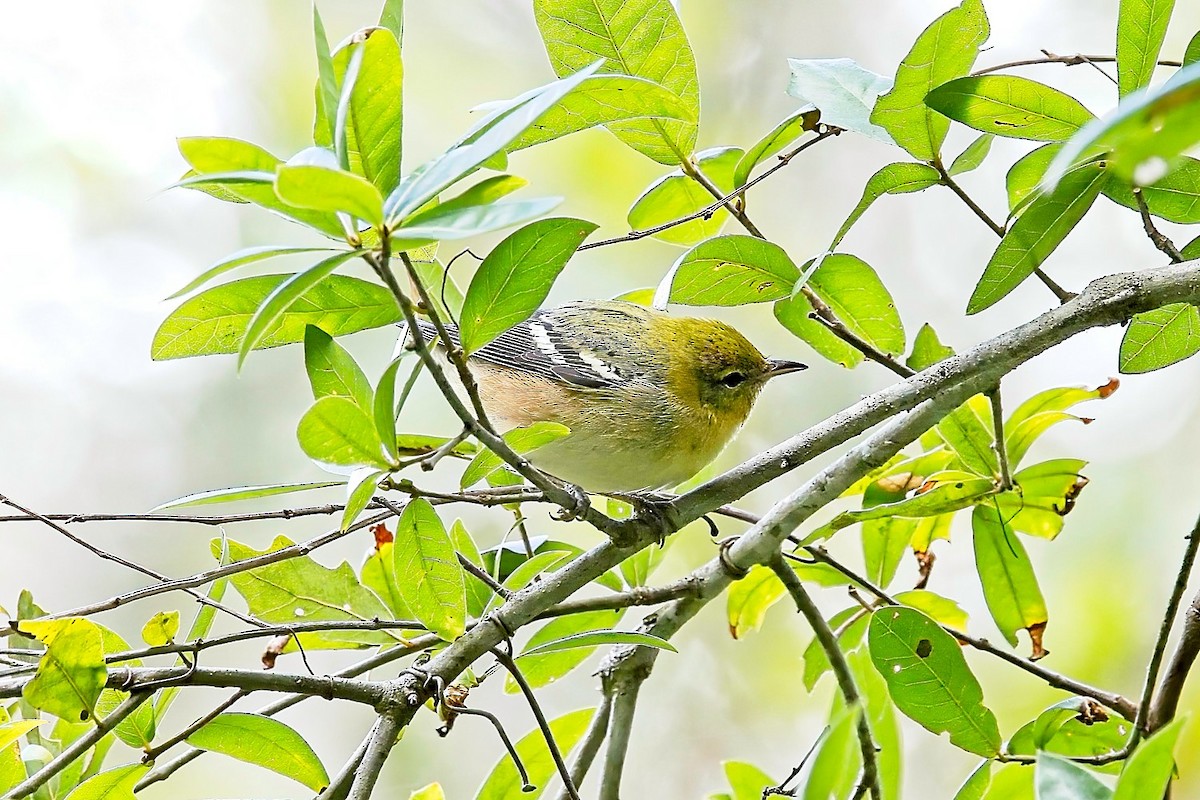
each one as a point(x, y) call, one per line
point(71, 673)
point(301, 590)
point(929, 679)
point(729, 270)
point(1008, 105)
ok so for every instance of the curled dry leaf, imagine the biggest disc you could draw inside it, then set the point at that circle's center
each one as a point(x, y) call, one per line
point(454, 698)
point(901, 482)
point(1036, 632)
point(382, 535)
point(1108, 388)
point(274, 649)
point(1091, 712)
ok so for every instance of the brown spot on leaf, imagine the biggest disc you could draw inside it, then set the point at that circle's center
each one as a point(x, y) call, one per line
point(1036, 631)
point(1108, 388)
point(925, 487)
point(901, 482)
point(382, 535)
point(1091, 712)
point(1070, 497)
point(924, 648)
point(925, 561)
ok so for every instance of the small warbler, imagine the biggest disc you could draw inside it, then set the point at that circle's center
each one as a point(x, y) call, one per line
point(650, 398)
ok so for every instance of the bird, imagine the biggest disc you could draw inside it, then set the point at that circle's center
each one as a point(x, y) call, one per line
point(649, 398)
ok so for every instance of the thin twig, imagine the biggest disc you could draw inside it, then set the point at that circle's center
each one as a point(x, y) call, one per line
point(339, 786)
point(1001, 446)
point(841, 670)
point(722, 201)
point(107, 556)
point(1159, 239)
point(1154, 714)
point(589, 746)
point(1070, 61)
point(78, 747)
point(1062, 294)
point(154, 752)
point(555, 752)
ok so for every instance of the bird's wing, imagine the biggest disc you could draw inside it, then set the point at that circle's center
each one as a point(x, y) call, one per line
point(540, 347)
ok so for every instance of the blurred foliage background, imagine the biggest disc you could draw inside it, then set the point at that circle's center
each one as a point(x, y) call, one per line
point(90, 245)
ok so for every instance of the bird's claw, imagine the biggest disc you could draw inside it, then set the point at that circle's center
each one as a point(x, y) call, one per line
point(579, 504)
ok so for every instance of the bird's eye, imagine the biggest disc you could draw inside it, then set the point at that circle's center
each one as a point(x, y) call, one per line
point(733, 379)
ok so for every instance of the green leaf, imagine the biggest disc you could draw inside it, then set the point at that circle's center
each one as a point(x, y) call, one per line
point(1191, 53)
point(521, 440)
point(1026, 423)
point(944, 51)
point(113, 784)
point(796, 314)
point(852, 289)
point(489, 137)
point(729, 270)
point(851, 625)
point(337, 432)
point(976, 785)
point(12, 769)
point(232, 494)
point(1025, 176)
point(842, 91)
point(642, 38)
point(378, 576)
point(605, 100)
point(972, 157)
point(1044, 494)
point(676, 195)
point(360, 490)
point(835, 763)
point(1175, 198)
point(949, 493)
point(750, 598)
point(384, 409)
point(1036, 234)
point(1160, 338)
point(245, 171)
point(787, 131)
point(268, 315)
point(249, 255)
point(885, 541)
point(478, 593)
point(450, 222)
point(427, 571)
point(1068, 729)
point(1141, 27)
point(301, 590)
point(1144, 137)
point(330, 190)
point(927, 349)
point(161, 628)
point(11, 731)
point(376, 111)
point(1148, 771)
point(215, 321)
point(431, 792)
point(560, 646)
point(446, 296)
point(971, 438)
point(1059, 779)
point(898, 178)
point(1011, 782)
point(515, 277)
point(332, 371)
point(746, 780)
point(1007, 105)
point(929, 679)
point(940, 609)
point(1009, 585)
point(504, 783)
point(264, 742)
point(71, 673)
point(327, 87)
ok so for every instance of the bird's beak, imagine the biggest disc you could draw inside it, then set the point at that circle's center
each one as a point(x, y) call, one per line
point(776, 366)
